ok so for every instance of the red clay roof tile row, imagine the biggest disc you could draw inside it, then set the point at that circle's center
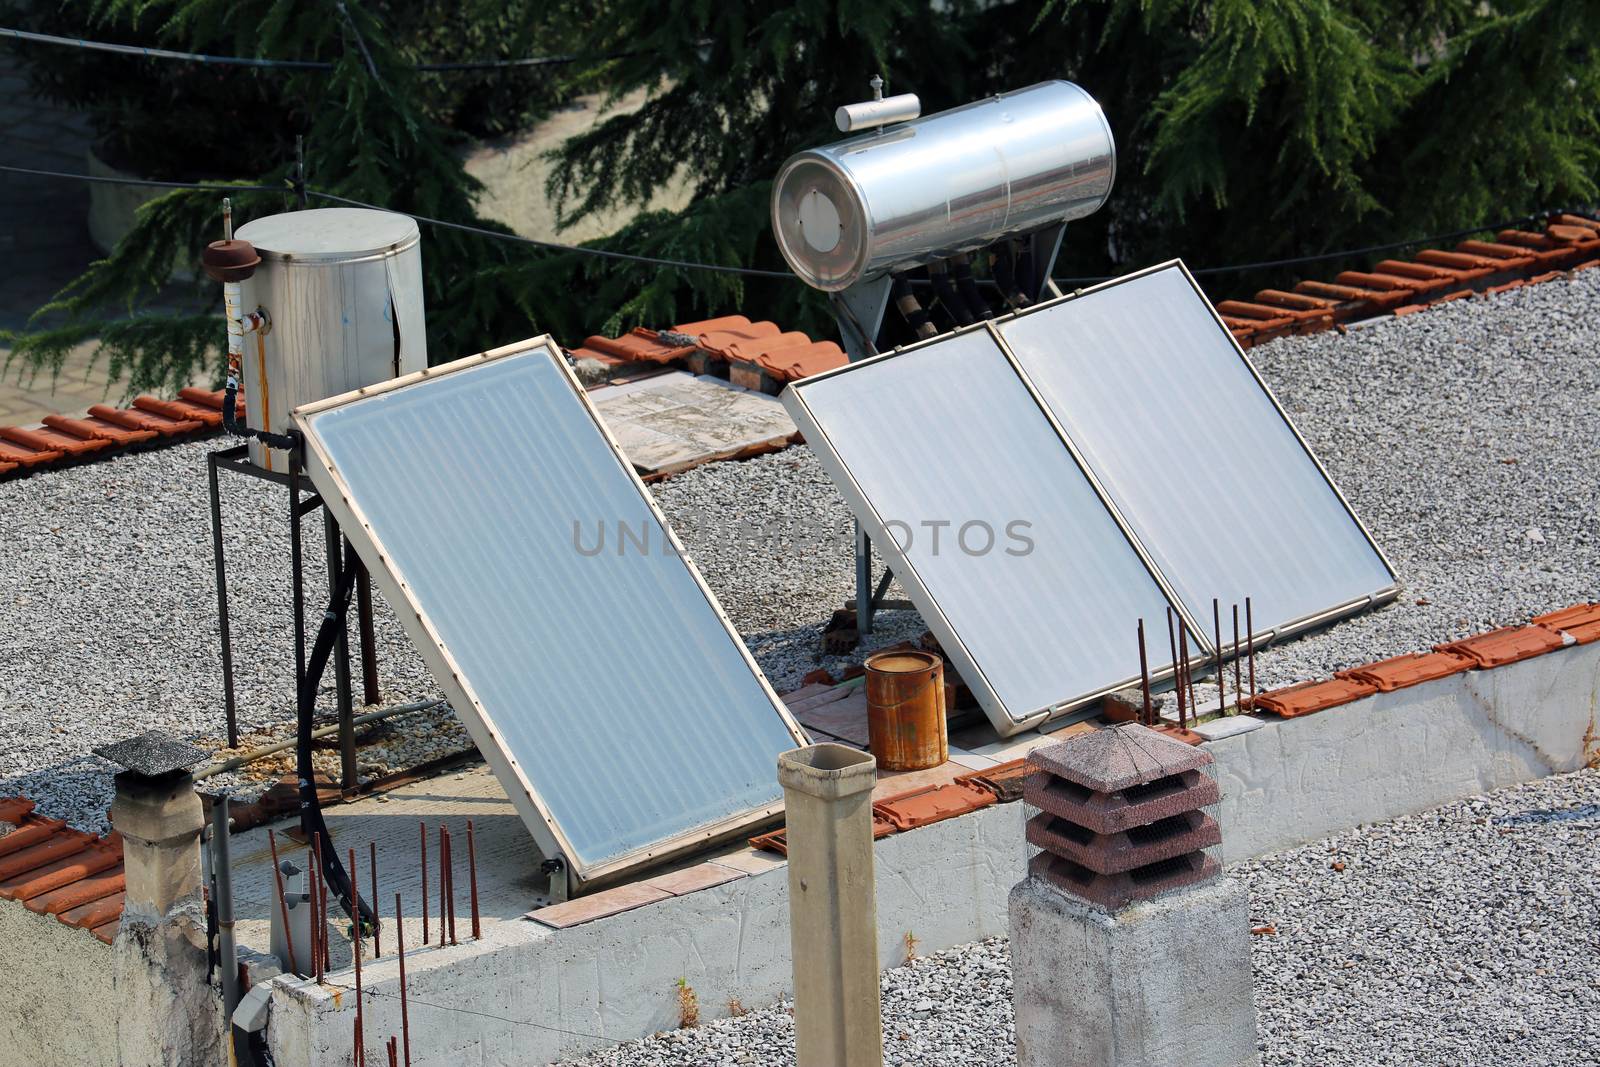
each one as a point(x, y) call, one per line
point(52, 869)
point(1579, 624)
point(105, 430)
point(1433, 276)
point(729, 339)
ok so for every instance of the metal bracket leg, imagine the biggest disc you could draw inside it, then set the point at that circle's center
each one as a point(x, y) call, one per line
point(348, 772)
point(863, 581)
point(222, 602)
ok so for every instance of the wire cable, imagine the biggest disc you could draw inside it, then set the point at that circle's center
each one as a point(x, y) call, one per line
point(147, 182)
point(754, 272)
point(555, 246)
point(294, 64)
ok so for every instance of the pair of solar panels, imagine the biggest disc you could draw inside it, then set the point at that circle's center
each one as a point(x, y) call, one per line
point(588, 660)
point(1041, 482)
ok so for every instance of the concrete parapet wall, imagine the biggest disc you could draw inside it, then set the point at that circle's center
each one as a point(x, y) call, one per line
point(530, 994)
point(57, 985)
point(1393, 754)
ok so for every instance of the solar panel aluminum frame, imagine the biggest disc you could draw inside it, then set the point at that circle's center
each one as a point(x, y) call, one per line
point(1000, 716)
point(548, 836)
point(1268, 635)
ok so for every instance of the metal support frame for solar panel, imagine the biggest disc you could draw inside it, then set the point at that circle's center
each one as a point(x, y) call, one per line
point(705, 705)
point(971, 413)
point(1250, 445)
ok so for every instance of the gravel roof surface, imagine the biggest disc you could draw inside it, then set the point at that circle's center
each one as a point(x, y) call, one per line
point(1465, 935)
point(1467, 437)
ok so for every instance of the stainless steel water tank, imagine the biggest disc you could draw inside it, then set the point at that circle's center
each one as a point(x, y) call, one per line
point(343, 290)
point(942, 184)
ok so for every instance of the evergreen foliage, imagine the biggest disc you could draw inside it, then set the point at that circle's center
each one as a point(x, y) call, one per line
point(1247, 129)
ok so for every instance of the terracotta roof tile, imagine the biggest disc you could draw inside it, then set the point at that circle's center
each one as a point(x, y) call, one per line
point(932, 803)
point(1506, 645)
point(49, 439)
point(1309, 697)
point(53, 869)
point(1408, 670)
point(1581, 622)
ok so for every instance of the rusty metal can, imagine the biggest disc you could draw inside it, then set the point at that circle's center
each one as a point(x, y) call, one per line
point(906, 711)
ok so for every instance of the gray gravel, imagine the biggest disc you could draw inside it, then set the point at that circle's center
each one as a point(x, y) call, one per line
point(109, 626)
point(1465, 935)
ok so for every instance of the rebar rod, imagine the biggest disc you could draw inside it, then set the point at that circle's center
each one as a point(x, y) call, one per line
point(472, 860)
point(422, 827)
point(1148, 720)
point(377, 929)
point(355, 946)
point(1250, 643)
point(400, 939)
point(1177, 670)
point(1216, 625)
point(283, 901)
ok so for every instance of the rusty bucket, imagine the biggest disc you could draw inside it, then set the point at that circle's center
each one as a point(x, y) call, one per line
point(905, 710)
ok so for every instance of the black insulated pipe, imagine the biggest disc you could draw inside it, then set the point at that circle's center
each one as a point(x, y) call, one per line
point(312, 823)
point(952, 301)
point(231, 423)
point(961, 271)
point(1005, 277)
point(905, 301)
point(1024, 271)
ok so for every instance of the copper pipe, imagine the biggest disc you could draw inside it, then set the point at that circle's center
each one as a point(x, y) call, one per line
point(355, 945)
point(1177, 671)
point(472, 852)
point(377, 928)
point(283, 901)
point(423, 828)
point(1183, 654)
point(405, 1018)
point(1238, 688)
point(1250, 643)
point(1216, 624)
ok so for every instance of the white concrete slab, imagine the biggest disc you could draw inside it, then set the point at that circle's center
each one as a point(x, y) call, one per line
point(674, 421)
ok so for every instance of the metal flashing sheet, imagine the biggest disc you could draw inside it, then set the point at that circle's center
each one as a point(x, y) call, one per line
point(592, 666)
point(1195, 454)
point(1017, 567)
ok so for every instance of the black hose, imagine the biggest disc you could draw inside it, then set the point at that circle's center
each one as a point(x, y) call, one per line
point(311, 820)
point(951, 300)
point(1004, 277)
point(1024, 271)
point(905, 301)
point(231, 423)
point(961, 270)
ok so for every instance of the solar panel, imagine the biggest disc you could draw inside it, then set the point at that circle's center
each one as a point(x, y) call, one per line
point(586, 657)
point(1195, 453)
point(999, 538)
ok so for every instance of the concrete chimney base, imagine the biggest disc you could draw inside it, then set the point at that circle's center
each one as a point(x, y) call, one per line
point(1154, 984)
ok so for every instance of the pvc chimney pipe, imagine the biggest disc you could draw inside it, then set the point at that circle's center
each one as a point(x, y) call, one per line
point(833, 921)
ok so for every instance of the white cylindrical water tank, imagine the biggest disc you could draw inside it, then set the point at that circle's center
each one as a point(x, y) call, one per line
point(943, 184)
point(342, 288)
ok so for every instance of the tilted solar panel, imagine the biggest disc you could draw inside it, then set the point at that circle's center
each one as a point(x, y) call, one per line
point(590, 663)
point(1000, 540)
point(1196, 455)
